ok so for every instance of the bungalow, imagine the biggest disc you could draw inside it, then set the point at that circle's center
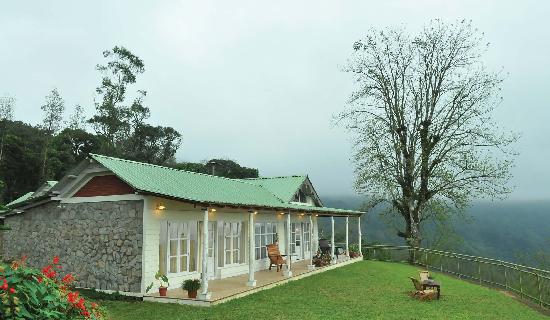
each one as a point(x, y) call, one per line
point(116, 222)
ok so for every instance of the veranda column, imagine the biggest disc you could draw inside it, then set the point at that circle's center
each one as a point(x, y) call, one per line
point(288, 271)
point(359, 233)
point(204, 294)
point(347, 236)
point(251, 249)
point(332, 239)
point(311, 266)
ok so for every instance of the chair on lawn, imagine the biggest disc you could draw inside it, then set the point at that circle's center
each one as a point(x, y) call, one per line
point(424, 275)
point(326, 248)
point(275, 256)
point(422, 294)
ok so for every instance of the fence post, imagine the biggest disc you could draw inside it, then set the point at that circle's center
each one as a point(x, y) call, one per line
point(458, 267)
point(426, 260)
point(540, 291)
point(520, 283)
point(373, 253)
point(441, 262)
point(414, 255)
point(505, 276)
point(479, 269)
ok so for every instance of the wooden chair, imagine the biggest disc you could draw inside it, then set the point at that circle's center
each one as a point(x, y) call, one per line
point(275, 256)
point(420, 293)
point(326, 248)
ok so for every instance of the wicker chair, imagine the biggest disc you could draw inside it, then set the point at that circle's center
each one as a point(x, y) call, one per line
point(275, 256)
point(420, 293)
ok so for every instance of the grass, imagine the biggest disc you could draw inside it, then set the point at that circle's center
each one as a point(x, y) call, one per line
point(364, 290)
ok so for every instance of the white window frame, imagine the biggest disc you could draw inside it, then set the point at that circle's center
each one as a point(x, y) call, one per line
point(235, 230)
point(306, 236)
point(266, 235)
point(179, 255)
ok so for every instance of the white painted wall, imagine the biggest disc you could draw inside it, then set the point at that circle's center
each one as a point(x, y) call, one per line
point(179, 211)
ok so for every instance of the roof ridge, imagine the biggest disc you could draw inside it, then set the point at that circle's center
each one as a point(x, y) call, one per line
point(191, 172)
point(277, 177)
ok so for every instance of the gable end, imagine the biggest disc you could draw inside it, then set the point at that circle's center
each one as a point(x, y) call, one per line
point(108, 185)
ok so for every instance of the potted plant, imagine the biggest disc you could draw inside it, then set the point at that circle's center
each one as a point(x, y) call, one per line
point(163, 283)
point(354, 250)
point(191, 286)
point(321, 259)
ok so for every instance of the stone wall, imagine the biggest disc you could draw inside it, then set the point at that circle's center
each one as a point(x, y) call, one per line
point(100, 242)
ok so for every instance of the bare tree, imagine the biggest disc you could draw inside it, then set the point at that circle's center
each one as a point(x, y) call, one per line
point(77, 120)
point(422, 119)
point(7, 103)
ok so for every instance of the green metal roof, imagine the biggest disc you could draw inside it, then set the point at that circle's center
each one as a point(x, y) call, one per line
point(283, 187)
point(21, 199)
point(203, 188)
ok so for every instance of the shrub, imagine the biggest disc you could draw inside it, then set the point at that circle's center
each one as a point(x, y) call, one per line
point(28, 293)
point(191, 285)
point(321, 259)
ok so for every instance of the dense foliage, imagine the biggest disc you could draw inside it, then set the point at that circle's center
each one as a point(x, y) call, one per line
point(28, 293)
point(219, 167)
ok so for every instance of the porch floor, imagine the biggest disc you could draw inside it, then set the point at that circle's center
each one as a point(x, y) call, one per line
point(230, 288)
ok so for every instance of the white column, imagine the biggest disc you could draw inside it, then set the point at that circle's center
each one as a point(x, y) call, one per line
point(204, 294)
point(347, 236)
point(251, 250)
point(359, 232)
point(288, 271)
point(332, 238)
point(311, 252)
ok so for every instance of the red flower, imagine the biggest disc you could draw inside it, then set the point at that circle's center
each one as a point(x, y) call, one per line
point(12, 290)
point(68, 278)
point(56, 260)
point(85, 313)
point(80, 304)
point(72, 296)
point(94, 305)
point(39, 279)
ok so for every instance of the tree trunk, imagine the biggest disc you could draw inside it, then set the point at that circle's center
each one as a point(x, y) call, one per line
point(413, 240)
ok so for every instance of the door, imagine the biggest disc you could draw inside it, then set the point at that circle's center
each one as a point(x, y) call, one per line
point(211, 269)
point(296, 240)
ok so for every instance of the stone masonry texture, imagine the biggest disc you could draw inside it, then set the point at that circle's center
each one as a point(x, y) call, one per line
point(99, 242)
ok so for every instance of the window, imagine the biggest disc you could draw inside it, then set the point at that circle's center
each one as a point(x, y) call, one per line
point(232, 243)
point(178, 247)
point(307, 237)
point(264, 233)
point(295, 237)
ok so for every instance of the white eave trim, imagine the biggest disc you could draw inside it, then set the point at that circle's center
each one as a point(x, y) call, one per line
point(101, 198)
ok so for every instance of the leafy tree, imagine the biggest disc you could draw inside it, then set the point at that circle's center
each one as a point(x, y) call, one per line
point(422, 118)
point(219, 167)
point(77, 120)
point(53, 120)
point(70, 147)
point(122, 125)
point(22, 159)
point(7, 103)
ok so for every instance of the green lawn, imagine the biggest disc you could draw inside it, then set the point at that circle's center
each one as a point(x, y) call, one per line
point(367, 290)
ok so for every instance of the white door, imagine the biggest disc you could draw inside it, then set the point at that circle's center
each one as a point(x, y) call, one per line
point(296, 240)
point(211, 250)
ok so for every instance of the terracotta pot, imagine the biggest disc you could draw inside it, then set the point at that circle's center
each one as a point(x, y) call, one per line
point(162, 291)
point(192, 294)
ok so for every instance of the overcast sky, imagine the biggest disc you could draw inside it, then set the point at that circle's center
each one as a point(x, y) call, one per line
point(259, 81)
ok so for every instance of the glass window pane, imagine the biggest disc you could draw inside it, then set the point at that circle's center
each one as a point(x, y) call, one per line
point(235, 256)
point(257, 228)
point(235, 243)
point(173, 247)
point(183, 247)
point(183, 263)
point(258, 253)
point(174, 265)
point(227, 229)
point(173, 230)
point(257, 240)
point(183, 230)
point(228, 257)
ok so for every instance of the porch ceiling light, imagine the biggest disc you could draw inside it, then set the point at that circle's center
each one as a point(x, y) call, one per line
point(213, 210)
point(282, 213)
point(160, 206)
point(255, 212)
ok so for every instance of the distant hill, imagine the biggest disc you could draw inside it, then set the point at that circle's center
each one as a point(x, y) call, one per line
point(508, 230)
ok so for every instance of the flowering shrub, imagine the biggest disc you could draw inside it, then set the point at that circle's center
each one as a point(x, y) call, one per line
point(28, 293)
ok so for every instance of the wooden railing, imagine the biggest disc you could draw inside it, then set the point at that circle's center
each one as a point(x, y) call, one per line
point(527, 282)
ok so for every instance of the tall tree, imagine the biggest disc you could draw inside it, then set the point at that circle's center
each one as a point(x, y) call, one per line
point(124, 125)
point(7, 103)
point(53, 109)
point(77, 120)
point(422, 118)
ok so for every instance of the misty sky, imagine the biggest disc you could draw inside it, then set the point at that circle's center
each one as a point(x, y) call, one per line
point(259, 81)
